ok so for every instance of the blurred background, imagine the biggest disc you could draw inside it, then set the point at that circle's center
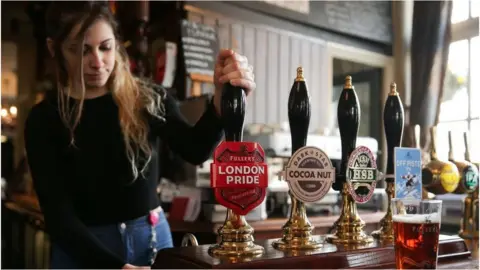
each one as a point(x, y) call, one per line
point(428, 48)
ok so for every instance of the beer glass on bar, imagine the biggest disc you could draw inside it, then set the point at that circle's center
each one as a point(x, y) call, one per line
point(416, 225)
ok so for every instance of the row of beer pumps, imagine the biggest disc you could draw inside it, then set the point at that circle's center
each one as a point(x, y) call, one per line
point(239, 174)
point(454, 176)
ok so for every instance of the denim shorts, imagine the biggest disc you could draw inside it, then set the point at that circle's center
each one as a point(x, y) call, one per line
point(131, 240)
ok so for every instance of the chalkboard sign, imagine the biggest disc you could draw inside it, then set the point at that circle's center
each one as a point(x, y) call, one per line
point(200, 48)
point(371, 20)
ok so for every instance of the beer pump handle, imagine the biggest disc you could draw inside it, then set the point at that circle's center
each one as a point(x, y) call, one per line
point(433, 143)
point(416, 135)
point(467, 146)
point(299, 111)
point(233, 105)
point(450, 146)
point(348, 115)
point(393, 120)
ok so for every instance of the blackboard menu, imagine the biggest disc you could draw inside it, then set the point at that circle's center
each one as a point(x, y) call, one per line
point(200, 47)
point(371, 20)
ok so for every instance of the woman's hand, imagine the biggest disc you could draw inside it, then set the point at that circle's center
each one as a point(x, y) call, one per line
point(234, 68)
point(129, 266)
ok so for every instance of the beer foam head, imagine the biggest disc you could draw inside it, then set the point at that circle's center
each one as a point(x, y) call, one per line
point(417, 218)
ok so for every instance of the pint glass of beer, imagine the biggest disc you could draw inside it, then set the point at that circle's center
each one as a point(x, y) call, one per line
point(416, 225)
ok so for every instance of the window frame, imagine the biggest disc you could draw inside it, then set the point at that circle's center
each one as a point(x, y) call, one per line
point(466, 30)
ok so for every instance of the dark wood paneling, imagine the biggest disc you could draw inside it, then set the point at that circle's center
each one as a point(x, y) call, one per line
point(25, 243)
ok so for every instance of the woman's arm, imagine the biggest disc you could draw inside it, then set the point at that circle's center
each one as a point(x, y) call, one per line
point(47, 170)
point(196, 143)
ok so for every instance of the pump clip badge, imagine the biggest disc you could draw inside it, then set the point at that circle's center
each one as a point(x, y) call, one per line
point(361, 174)
point(470, 178)
point(310, 174)
point(239, 175)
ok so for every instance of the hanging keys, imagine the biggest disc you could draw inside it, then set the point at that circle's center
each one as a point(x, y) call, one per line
point(153, 220)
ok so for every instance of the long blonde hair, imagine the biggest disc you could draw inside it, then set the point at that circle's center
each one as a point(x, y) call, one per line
point(136, 98)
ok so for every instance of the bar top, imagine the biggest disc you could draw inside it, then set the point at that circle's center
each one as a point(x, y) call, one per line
point(376, 255)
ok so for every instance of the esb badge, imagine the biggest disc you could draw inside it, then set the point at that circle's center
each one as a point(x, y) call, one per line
point(239, 175)
point(310, 174)
point(361, 174)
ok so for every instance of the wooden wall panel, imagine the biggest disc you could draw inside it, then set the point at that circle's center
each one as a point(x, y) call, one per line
point(275, 55)
point(272, 76)
point(248, 40)
point(284, 80)
point(260, 64)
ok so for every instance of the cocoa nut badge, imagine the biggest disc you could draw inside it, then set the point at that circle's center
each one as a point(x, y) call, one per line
point(310, 174)
point(361, 174)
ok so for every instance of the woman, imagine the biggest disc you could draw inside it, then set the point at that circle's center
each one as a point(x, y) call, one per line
point(90, 147)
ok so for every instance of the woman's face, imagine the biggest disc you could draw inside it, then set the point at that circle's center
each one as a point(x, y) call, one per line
point(98, 53)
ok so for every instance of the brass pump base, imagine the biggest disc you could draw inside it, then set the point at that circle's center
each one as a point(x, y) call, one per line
point(296, 244)
point(236, 239)
point(469, 224)
point(349, 226)
point(231, 249)
point(297, 232)
point(385, 233)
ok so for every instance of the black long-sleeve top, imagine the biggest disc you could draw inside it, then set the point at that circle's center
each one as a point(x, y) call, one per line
point(88, 183)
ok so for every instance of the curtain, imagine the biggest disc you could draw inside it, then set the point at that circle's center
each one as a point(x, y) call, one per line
point(429, 55)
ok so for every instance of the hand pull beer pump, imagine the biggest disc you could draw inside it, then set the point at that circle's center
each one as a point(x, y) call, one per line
point(297, 231)
point(469, 224)
point(439, 177)
point(239, 178)
point(468, 171)
point(393, 121)
point(349, 227)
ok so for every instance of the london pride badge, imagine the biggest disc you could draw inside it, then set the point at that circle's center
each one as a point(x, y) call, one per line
point(239, 175)
point(361, 174)
point(310, 174)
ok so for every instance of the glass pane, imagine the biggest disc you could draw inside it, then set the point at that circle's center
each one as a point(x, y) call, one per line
point(475, 8)
point(457, 129)
point(455, 96)
point(475, 143)
point(460, 10)
point(475, 72)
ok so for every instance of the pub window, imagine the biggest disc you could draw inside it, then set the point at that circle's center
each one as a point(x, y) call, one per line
point(459, 110)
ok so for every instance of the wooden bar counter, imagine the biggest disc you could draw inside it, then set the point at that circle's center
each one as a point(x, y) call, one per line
point(452, 253)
